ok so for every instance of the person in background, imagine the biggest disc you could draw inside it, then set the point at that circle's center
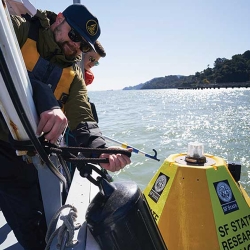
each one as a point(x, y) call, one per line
point(51, 45)
point(91, 59)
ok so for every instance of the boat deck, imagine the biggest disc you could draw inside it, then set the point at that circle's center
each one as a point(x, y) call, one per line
point(80, 187)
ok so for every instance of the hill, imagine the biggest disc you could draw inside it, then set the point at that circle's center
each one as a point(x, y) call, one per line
point(225, 72)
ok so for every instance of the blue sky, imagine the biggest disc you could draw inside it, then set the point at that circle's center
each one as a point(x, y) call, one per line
point(146, 39)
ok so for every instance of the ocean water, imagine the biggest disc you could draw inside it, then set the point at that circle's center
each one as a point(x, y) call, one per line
point(167, 120)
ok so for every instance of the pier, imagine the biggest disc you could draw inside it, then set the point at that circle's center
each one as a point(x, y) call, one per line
point(217, 85)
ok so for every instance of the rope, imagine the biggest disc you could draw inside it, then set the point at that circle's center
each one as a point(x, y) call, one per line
point(65, 169)
point(65, 230)
point(67, 153)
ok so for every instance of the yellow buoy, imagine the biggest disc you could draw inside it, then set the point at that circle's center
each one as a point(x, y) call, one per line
point(197, 203)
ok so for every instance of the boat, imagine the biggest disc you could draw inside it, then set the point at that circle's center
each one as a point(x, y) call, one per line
point(194, 201)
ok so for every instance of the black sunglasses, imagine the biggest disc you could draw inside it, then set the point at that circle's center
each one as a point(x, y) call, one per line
point(76, 37)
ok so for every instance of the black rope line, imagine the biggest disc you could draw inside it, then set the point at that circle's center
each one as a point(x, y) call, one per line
point(67, 153)
point(71, 154)
point(90, 150)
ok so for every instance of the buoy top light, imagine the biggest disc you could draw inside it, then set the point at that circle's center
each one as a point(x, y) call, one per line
point(195, 154)
point(195, 149)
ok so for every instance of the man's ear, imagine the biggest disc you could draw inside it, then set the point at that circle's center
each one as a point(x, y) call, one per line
point(60, 18)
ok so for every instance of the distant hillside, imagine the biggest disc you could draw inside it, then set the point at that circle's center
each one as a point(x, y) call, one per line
point(235, 70)
point(139, 86)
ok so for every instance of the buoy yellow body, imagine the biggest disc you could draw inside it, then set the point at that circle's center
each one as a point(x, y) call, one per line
point(199, 207)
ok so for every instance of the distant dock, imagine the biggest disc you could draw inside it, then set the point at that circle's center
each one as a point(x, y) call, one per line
point(218, 85)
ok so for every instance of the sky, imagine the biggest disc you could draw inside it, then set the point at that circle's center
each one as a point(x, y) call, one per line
point(145, 39)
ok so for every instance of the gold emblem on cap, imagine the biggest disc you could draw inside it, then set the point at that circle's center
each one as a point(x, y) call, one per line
point(92, 27)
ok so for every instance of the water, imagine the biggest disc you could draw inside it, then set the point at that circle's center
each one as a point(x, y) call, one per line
point(167, 120)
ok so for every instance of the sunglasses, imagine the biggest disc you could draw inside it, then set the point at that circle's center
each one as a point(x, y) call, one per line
point(93, 60)
point(76, 37)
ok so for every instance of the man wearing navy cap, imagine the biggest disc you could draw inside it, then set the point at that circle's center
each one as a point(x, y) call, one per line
point(87, 27)
point(78, 24)
point(51, 46)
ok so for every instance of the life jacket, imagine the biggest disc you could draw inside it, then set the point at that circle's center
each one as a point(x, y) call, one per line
point(57, 78)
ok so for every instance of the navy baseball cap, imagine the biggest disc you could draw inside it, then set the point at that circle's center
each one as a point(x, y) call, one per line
point(80, 19)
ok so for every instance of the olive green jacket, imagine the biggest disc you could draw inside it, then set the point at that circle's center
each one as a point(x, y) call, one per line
point(77, 108)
